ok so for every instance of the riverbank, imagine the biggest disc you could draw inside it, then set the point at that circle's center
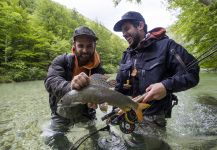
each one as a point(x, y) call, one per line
point(7, 79)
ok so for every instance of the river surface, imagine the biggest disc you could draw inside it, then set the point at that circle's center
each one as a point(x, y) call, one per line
point(24, 113)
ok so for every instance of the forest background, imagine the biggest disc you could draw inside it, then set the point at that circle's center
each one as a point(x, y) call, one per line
point(33, 33)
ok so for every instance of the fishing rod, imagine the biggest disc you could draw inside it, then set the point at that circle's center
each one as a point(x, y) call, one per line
point(212, 50)
point(127, 120)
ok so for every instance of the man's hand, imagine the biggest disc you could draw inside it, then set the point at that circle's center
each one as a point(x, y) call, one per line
point(80, 81)
point(155, 91)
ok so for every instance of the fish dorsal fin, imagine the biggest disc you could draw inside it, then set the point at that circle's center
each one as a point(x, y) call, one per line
point(102, 80)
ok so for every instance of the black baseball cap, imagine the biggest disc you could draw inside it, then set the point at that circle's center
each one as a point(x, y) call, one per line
point(131, 15)
point(82, 30)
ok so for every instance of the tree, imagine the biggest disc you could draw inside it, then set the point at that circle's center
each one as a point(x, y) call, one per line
point(196, 26)
point(33, 33)
point(116, 2)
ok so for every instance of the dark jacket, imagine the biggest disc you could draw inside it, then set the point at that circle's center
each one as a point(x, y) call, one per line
point(59, 78)
point(157, 63)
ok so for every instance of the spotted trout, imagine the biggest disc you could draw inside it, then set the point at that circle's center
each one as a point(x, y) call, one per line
point(98, 92)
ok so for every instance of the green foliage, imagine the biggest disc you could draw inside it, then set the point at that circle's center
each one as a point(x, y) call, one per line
point(33, 33)
point(116, 2)
point(109, 68)
point(196, 26)
point(18, 71)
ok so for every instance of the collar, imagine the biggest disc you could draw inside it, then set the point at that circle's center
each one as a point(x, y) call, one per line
point(151, 37)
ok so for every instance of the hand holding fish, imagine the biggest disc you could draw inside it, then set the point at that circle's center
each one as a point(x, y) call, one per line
point(96, 92)
point(137, 99)
point(79, 81)
point(155, 91)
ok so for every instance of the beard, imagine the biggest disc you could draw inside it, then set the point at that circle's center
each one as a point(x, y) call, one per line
point(84, 58)
point(133, 40)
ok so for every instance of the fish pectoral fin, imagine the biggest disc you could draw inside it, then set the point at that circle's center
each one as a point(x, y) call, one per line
point(122, 111)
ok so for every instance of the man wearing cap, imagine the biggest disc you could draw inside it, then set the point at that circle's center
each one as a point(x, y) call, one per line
point(155, 65)
point(71, 71)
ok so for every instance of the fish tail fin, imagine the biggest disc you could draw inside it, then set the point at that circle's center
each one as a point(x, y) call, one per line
point(139, 109)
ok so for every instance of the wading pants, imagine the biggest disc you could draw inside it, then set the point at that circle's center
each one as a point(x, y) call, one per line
point(148, 135)
point(54, 135)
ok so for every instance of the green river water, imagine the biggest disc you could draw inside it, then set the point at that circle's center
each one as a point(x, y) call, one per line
point(24, 113)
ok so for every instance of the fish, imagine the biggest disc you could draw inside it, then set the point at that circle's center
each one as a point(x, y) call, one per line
point(98, 92)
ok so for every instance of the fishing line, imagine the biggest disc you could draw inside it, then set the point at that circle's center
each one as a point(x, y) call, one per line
point(85, 137)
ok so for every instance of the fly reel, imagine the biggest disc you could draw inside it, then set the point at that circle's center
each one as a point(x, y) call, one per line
point(125, 121)
point(126, 127)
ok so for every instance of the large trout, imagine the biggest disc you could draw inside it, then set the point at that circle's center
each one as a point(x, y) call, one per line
point(98, 92)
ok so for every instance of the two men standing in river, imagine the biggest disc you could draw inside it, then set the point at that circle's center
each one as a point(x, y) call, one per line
point(152, 63)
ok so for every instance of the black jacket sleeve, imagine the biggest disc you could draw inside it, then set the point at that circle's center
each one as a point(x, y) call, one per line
point(179, 79)
point(55, 82)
